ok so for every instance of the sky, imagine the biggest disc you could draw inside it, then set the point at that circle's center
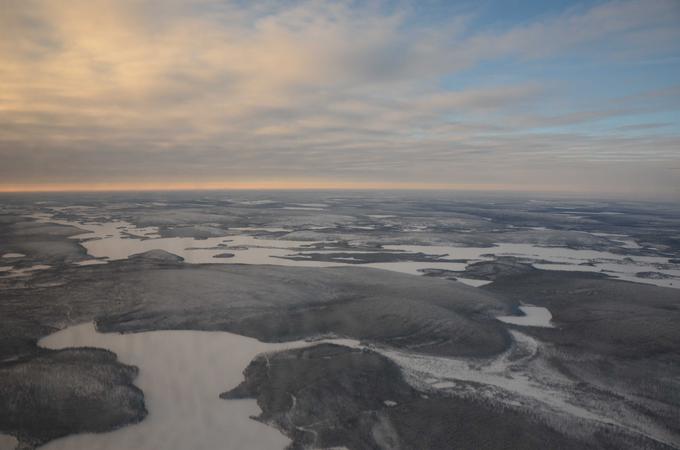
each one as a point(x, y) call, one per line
point(539, 96)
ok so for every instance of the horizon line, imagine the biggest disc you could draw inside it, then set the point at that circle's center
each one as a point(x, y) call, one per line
point(319, 186)
point(266, 185)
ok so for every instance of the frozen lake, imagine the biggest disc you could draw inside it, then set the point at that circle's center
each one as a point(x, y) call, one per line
point(7, 442)
point(534, 316)
point(182, 374)
point(115, 240)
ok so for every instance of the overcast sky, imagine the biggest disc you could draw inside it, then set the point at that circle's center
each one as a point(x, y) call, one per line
point(535, 95)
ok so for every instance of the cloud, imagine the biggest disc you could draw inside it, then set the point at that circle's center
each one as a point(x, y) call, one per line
point(124, 90)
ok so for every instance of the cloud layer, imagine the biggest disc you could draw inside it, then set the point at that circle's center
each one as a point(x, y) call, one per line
point(245, 92)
